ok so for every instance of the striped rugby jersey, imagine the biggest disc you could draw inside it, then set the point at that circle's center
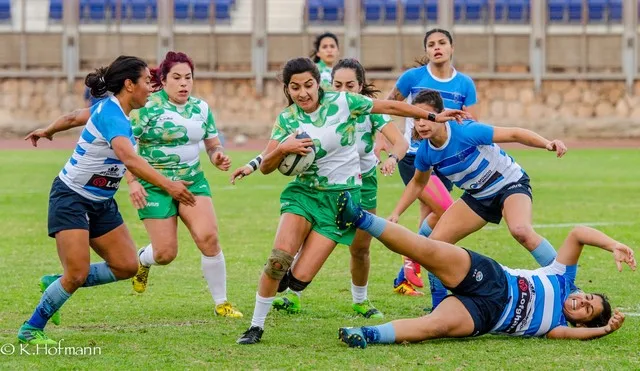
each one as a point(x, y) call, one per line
point(470, 160)
point(93, 170)
point(536, 299)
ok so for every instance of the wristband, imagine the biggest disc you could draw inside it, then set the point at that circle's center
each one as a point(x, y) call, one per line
point(391, 155)
point(431, 116)
point(255, 163)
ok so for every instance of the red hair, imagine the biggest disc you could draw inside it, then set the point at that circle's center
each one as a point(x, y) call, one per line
point(160, 73)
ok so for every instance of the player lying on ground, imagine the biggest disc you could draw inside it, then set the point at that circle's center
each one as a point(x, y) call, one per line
point(488, 297)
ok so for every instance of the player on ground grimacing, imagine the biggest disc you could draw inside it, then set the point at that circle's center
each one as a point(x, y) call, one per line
point(488, 297)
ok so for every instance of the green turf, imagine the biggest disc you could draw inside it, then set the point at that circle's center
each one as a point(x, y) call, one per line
point(172, 325)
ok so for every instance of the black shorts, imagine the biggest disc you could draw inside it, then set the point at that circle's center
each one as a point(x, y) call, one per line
point(69, 210)
point(407, 171)
point(490, 209)
point(484, 292)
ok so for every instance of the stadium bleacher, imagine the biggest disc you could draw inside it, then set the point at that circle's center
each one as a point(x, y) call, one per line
point(142, 10)
point(474, 11)
point(332, 11)
point(5, 11)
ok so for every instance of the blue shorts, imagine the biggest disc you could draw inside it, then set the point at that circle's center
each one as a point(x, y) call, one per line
point(407, 171)
point(68, 210)
point(490, 209)
point(484, 292)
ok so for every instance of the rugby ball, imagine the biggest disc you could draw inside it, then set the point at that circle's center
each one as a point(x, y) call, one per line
point(294, 164)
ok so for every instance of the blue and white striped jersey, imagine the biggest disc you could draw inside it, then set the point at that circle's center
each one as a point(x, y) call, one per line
point(457, 92)
point(536, 299)
point(94, 171)
point(470, 160)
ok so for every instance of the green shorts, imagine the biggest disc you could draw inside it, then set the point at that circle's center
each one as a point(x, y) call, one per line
point(319, 208)
point(369, 190)
point(160, 205)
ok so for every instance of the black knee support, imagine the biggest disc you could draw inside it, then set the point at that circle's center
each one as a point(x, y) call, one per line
point(297, 285)
point(284, 282)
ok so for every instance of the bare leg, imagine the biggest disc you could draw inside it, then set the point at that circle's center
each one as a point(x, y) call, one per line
point(456, 223)
point(450, 319)
point(448, 262)
point(360, 261)
point(517, 213)
point(292, 231)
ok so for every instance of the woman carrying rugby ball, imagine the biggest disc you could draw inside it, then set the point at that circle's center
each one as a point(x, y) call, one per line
point(308, 203)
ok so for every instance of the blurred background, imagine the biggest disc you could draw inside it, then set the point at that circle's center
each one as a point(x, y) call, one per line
point(563, 67)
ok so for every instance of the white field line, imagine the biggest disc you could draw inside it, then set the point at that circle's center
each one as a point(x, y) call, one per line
point(565, 225)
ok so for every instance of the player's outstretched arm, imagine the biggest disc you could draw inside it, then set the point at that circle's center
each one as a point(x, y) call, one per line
point(528, 138)
point(65, 122)
point(410, 194)
point(586, 333)
point(248, 169)
point(140, 168)
point(571, 248)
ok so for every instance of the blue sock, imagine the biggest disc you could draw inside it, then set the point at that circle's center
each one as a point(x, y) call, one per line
point(99, 274)
point(438, 291)
point(382, 334)
point(400, 277)
point(52, 299)
point(425, 230)
point(544, 254)
point(372, 224)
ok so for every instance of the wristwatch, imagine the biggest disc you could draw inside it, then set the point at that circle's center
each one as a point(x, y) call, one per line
point(431, 116)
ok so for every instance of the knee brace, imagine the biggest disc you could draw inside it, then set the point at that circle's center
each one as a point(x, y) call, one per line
point(278, 264)
point(284, 282)
point(297, 285)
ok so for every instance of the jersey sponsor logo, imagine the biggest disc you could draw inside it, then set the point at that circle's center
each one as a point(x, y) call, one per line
point(523, 299)
point(482, 180)
point(153, 204)
point(107, 183)
point(113, 171)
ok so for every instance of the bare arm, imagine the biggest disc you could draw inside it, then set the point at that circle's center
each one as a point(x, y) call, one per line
point(571, 248)
point(399, 147)
point(395, 94)
point(411, 193)
point(65, 122)
point(276, 151)
point(272, 158)
point(403, 109)
point(215, 150)
point(586, 333)
point(140, 168)
point(399, 144)
point(528, 138)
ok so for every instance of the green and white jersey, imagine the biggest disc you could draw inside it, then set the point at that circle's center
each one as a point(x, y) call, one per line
point(169, 134)
point(366, 128)
point(325, 75)
point(333, 130)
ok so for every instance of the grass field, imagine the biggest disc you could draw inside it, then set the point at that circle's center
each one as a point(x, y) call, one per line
point(172, 325)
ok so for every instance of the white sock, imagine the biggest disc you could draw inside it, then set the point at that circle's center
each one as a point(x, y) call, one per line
point(146, 258)
point(295, 292)
point(215, 273)
point(262, 308)
point(358, 293)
